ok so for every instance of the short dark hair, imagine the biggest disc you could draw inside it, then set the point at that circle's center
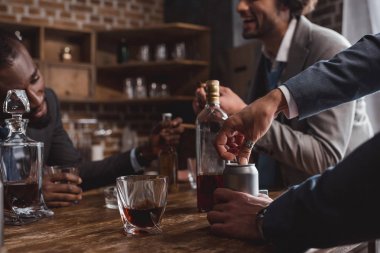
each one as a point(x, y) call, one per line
point(8, 48)
point(296, 7)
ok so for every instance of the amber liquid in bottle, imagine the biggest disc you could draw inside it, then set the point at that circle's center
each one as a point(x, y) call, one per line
point(168, 158)
point(209, 165)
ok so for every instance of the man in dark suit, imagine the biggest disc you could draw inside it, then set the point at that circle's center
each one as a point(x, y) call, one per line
point(335, 208)
point(18, 71)
point(293, 150)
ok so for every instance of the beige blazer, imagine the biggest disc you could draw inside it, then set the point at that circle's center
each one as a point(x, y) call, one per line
point(307, 147)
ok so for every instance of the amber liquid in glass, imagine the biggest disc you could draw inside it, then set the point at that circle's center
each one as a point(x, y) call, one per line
point(20, 195)
point(144, 215)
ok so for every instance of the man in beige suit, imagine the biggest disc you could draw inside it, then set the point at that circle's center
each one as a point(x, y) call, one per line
point(293, 150)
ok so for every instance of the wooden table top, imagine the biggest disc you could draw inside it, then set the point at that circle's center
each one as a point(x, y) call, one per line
point(91, 227)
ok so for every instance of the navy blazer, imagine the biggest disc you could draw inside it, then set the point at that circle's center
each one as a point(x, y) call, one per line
point(341, 205)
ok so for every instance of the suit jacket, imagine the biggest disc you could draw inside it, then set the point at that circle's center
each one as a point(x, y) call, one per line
point(306, 147)
point(59, 150)
point(340, 206)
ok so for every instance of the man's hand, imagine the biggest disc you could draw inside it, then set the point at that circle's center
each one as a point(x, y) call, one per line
point(170, 134)
point(234, 214)
point(61, 190)
point(230, 102)
point(252, 122)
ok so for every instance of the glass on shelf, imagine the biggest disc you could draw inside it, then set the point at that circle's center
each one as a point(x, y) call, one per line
point(161, 53)
point(140, 90)
point(179, 51)
point(153, 91)
point(128, 88)
point(164, 92)
point(144, 53)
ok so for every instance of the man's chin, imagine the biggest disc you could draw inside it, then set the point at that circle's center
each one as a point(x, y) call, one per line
point(250, 35)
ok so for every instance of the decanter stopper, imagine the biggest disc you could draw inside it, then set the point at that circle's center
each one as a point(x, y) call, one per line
point(16, 102)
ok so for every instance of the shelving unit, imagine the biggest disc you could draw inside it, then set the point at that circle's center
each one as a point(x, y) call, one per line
point(93, 73)
point(181, 75)
point(45, 44)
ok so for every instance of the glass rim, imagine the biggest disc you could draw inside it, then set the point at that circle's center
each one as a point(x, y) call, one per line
point(141, 177)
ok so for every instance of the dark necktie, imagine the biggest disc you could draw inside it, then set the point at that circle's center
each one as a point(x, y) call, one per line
point(269, 174)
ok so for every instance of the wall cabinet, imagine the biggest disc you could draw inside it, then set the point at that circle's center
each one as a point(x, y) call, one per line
point(93, 72)
point(184, 59)
point(72, 76)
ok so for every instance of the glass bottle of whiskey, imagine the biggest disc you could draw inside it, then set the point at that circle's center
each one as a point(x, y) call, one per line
point(209, 165)
point(168, 158)
point(21, 163)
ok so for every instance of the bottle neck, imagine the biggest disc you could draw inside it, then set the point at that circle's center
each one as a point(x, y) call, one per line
point(16, 125)
point(214, 103)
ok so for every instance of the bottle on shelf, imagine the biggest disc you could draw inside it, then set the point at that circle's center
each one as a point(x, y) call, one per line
point(209, 165)
point(122, 51)
point(167, 158)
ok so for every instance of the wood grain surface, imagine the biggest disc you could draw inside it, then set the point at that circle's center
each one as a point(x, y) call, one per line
point(90, 227)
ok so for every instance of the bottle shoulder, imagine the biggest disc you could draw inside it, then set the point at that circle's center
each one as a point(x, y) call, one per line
point(212, 114)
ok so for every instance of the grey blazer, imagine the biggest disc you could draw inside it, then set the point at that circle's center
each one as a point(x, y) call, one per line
point(309, 146)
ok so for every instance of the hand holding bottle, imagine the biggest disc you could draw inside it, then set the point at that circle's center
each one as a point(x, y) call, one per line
point(252, 123)
point(230, 102)
point(166, 133)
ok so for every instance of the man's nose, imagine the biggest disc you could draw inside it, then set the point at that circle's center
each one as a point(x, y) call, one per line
point(36, 97)
point(242, 6)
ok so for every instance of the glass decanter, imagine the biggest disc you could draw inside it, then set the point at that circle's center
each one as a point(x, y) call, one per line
point(21, 163)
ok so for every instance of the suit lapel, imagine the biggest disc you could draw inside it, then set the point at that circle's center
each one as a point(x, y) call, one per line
point(299, 49)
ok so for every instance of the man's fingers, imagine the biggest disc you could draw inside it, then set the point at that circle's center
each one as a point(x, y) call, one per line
point(62, 197)
point(245, 151)
point(216, 217)
point(62, 188)
point(222, 195)
point(59, 204)
point(69, 177)
point(220, 229)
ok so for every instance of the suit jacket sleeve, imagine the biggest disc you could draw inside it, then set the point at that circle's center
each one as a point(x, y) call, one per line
point(351, 74)
point(63, 152)
point(338, 207)
point(100, 173)
point(321, 145)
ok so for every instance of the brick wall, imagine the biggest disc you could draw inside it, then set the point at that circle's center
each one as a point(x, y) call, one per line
point(93, 14)
point(328, 13)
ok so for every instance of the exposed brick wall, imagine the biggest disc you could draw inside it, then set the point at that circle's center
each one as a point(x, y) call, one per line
point(328, 13)
point(92, 14)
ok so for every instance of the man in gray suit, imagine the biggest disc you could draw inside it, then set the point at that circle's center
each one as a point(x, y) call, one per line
point(293, 150)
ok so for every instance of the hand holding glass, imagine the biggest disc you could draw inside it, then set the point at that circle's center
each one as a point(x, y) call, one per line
point(62, 175)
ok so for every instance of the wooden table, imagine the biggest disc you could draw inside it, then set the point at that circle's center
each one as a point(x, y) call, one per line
point(90, 227)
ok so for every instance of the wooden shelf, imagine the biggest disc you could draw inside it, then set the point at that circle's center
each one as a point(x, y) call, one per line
point(170, 65)
point(69, 64)
point(148, 34)
point(121, 99)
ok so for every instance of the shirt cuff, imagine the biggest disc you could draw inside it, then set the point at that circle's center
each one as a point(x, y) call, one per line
point(292, 106)
point(135, 164)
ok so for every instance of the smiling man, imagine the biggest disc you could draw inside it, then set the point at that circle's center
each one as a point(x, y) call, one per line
point(18, 71)
point(293, 150)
